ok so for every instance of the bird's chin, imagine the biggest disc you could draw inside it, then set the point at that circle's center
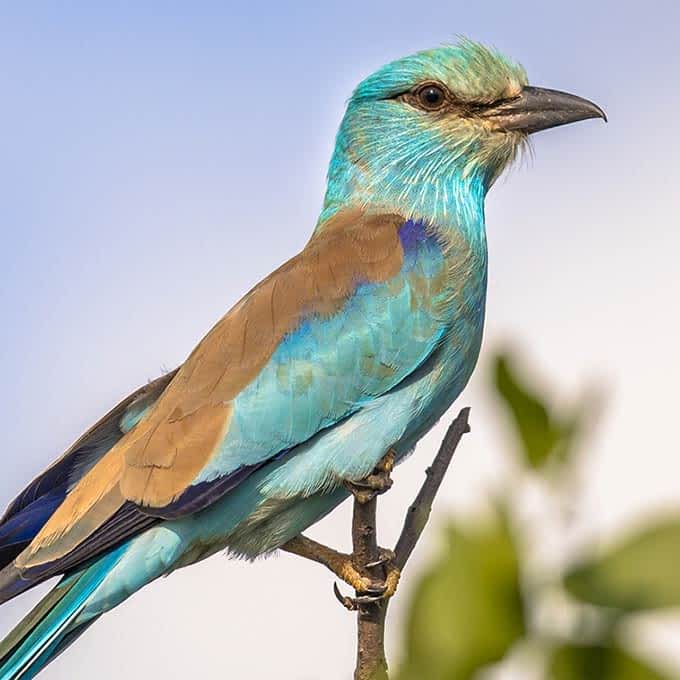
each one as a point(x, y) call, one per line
point(503, 148)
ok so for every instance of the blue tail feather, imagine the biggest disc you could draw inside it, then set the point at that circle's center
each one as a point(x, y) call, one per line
point(53, 624)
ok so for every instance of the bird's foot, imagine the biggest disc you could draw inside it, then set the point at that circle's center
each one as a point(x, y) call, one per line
point(378, 482)
point(361, 582)
point(371, 590)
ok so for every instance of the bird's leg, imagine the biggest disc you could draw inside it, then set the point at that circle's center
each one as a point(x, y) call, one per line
point(374, 581)
point(339, 563)
point(378, 562)
point(376, 483)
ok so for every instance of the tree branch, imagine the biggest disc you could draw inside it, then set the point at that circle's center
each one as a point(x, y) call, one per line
point(372, 571)
point(419, 511)
point(371, 660)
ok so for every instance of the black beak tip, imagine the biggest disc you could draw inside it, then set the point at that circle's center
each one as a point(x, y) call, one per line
point(598, 112)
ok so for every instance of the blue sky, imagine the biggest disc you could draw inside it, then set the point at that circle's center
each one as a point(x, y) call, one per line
point(157, 159)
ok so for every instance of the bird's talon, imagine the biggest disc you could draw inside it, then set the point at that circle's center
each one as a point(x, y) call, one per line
point(377, 563)
point(371, 591)
point(353, 603)
point(386, 556)
point(385, 589)
point(367, 599)
point(347, 602)
point(375, 589)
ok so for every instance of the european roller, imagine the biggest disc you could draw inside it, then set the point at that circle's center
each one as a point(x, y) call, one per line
point(353, 348)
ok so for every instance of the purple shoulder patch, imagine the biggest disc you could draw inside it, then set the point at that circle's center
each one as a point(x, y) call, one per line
point(411, 233)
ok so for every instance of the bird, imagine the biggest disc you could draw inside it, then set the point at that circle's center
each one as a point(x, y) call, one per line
point(352, 349)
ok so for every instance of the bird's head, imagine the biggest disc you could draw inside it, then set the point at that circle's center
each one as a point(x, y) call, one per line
point(424, 131)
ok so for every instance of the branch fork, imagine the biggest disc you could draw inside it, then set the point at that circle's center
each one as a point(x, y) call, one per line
point(373, 571)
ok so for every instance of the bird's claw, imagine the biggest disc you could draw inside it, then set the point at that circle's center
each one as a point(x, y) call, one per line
point(374, 594)
point(385, 558)
point(347, 602)
point(353, 603)
point(369, 591)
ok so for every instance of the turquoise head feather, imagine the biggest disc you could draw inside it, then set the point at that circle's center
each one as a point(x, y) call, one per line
point(427, 135)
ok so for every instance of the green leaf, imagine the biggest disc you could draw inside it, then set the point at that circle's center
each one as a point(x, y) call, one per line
point(467, 610)
point(640, 573)
point(542, 434)
point(599, 662)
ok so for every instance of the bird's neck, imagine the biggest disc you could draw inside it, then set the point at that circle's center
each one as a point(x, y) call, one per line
point(449, 201)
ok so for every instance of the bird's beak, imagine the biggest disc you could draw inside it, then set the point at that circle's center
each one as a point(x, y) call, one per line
point(538, 109)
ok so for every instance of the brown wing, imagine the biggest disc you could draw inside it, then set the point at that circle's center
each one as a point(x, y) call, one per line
point(160, 458)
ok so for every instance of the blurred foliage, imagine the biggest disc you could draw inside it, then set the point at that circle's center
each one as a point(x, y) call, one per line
point(543, 433)
point(477, 602)
point(458, 624)
point(641, 573)
point(599, 662)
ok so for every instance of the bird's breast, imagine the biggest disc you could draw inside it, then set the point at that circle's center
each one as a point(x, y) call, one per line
point(447, 270)
point(454, 268)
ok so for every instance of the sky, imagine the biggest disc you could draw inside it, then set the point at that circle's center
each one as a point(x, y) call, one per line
point(158, 159)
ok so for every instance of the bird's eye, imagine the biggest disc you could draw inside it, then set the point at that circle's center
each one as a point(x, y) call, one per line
point(431, 97)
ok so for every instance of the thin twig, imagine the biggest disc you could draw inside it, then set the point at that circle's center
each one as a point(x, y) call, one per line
point(367, 558)
point(419, 511)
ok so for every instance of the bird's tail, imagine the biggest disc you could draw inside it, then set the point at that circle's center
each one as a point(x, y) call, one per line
point(54, 623)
